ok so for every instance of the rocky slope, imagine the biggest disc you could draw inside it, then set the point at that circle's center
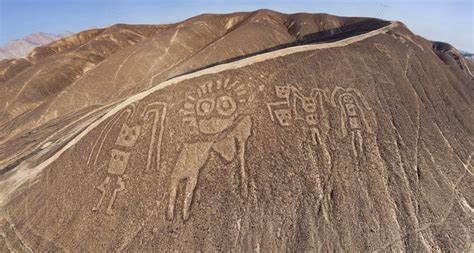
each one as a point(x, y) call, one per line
point(20, 48)
point(242, 132)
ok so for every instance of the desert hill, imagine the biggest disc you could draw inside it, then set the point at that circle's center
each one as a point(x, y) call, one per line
point(76, 72)
point(254, 131)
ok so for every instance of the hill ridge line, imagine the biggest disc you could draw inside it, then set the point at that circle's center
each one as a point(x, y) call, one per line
point(16, 182)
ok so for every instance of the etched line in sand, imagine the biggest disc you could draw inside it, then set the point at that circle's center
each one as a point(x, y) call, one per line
point(127, 138)
point(443, 219)
point(17, 95)
point(12, 237)
point(295, 106)
point(213, 113)
point(353, 118)
point(102, 136)
point(158, 110)
point(381, 48)
point(33, 171)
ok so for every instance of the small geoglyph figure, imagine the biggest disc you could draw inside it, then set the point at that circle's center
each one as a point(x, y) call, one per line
point(119, 156)
point(296, 106)
point(118, 164)
point(353, 119)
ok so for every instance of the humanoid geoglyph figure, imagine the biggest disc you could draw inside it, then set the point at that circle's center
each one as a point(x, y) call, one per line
point(352, 106)
point(295, 106)
point(213, 112)
point(119, 156)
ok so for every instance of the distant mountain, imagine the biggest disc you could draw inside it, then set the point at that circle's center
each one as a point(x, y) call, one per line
point(21, 47)
point(468, 56)
point(452, 56)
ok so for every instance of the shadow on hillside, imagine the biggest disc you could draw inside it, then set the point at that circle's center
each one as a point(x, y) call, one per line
point(327, 36)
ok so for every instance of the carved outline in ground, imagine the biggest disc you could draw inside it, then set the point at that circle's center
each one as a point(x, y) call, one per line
point(33, 171)
point(214, 111)
point(315, 115)
point(120, 153)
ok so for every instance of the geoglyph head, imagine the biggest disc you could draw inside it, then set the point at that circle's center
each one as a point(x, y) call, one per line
point(214, 106)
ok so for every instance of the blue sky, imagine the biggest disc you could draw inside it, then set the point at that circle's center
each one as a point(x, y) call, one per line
point(445, 20)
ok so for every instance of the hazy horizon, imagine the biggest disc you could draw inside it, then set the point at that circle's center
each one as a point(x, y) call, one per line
point(440, 20)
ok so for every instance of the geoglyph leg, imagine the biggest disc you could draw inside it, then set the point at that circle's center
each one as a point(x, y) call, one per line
point(191, 159)
point(101, 188)
point(242, 132)
point(121, 187)
point(190, 186)
point(172, 200)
